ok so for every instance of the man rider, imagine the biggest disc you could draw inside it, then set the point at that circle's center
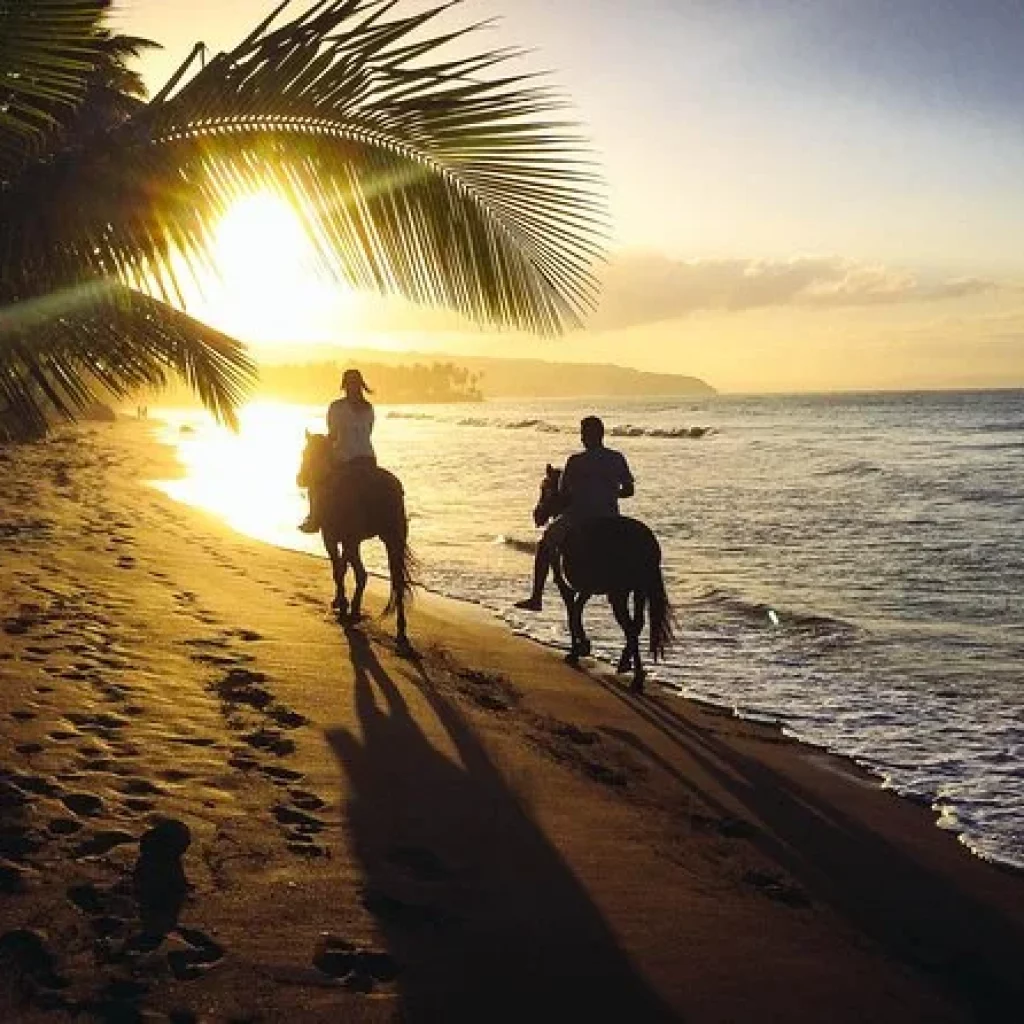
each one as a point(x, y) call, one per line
point(593, 482)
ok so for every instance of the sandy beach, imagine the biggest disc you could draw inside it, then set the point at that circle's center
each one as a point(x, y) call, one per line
point(217, 805)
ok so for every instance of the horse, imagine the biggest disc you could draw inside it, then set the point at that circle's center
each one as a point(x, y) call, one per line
point(360, 503)
point(616, 556)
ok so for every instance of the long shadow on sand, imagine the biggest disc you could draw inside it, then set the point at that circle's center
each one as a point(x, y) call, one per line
point(477, 906)
point(967, 946)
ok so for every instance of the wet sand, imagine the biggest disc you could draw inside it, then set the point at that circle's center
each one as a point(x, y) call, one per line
point(480, 834)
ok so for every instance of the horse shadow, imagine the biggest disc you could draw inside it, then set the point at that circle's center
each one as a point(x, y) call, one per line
point(484, 918)
point(965, 945)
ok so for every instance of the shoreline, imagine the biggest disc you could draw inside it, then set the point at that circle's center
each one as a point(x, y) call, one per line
point(878, 775)
point(482, 833)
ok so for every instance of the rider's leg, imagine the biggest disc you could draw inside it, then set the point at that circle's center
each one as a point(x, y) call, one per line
point(541, 568)
point(311, 524)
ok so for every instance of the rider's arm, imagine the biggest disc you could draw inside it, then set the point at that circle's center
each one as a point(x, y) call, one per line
point(565, 483)
point(332, 423)
point(626, 484)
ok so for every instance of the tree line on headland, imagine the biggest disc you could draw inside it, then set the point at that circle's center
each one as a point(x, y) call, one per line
point(422, 378)
point(317, 384)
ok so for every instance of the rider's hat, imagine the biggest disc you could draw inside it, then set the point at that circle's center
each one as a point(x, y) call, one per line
point(354, 377)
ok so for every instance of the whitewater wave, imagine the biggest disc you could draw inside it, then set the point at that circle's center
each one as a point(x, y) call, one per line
point(770, 615)
point(695, 432)
point(527, 547)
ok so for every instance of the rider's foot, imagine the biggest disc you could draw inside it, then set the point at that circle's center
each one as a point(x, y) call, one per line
point(309, 525)
point(531, 604)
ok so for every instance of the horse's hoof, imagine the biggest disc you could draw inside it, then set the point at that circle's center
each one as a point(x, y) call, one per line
point(637, 686)
point(624, 666)
point(404, 649)
point(585, 649)
point(355, 616)
point(572, 659)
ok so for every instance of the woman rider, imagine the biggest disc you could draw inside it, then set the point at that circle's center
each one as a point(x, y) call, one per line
point(349, 426)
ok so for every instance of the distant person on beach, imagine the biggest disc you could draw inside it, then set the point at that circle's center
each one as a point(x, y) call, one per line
point(593, 482)
point(349, 426)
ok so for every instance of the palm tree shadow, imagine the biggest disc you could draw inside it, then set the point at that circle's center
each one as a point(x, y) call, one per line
point(482, 914)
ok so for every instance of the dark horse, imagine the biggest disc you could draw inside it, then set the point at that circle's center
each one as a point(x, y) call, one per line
point(360, 503)
point(616, 556)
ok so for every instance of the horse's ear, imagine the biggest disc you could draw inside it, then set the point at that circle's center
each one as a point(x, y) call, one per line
point(550, 469)
point(308, 434)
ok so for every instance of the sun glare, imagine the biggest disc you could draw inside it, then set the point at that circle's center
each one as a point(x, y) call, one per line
point(269, 287)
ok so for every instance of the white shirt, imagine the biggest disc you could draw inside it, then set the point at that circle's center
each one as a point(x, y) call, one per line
point(351, 426)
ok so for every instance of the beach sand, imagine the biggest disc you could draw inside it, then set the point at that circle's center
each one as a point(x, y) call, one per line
point(481, 834)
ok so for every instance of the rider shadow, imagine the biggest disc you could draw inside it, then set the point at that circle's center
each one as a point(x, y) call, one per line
point(482, 914)
point(905, 906)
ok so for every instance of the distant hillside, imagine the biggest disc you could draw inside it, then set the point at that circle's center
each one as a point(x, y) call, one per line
point(535, 378)
point(518, 378)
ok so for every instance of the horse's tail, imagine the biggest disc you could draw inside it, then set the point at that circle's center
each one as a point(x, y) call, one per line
point(663, 622)
point(402, 568)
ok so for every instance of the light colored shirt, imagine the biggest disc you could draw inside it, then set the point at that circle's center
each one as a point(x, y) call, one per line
point(350, 426)
point(593, 480)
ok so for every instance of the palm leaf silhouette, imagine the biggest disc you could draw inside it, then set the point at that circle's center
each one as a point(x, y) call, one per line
point(445, 179)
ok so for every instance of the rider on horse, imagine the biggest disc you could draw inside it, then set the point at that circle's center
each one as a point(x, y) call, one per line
point(592, 483)
point(349, 426)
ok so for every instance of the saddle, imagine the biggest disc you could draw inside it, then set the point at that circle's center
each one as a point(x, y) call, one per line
point(357, 490)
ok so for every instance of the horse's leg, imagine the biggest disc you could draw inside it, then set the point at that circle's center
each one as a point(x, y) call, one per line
point(581, 633)
point(619, 601)
point(401, 636)
point(639, 605)
point(356, 561)
point(396, 543)
point(580, 644)
point(338, 568)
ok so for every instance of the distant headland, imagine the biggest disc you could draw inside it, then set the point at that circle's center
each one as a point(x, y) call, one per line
point(310, 375)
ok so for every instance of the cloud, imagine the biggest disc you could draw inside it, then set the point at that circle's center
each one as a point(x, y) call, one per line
point(641, 289)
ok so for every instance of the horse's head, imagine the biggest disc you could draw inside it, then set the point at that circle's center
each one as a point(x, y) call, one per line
point(316, 460)
point(550, 503)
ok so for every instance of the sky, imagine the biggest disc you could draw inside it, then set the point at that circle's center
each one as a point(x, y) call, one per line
point(806, 194)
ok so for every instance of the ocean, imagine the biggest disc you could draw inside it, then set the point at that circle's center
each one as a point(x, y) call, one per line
point(849, 566)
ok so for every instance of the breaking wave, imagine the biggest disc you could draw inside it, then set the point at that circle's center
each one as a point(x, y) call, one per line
point(547, 427)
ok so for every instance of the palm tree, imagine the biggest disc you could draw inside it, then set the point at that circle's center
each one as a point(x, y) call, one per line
point(443, 178)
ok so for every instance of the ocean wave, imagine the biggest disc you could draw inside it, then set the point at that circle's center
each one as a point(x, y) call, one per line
point(859, 468)
point(399, 414)
point(528, 547)
point(771, 615)
point(542, 426)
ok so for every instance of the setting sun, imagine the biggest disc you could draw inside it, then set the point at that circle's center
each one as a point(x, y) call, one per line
point(269, 286)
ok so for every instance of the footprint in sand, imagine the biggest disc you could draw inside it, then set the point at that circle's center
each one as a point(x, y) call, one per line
point(777, 888)
point(306, 801)
point(87, 804)
point(283, 775)
point(358, 966)
point(103, 842)
point(270, 740)
point(303, 821)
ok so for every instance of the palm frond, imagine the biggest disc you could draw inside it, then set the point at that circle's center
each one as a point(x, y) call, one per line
point(47, 49)
point(443, 178)
point(108, 340)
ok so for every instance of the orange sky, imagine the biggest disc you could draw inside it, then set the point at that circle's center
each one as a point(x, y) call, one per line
point(805, 196)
